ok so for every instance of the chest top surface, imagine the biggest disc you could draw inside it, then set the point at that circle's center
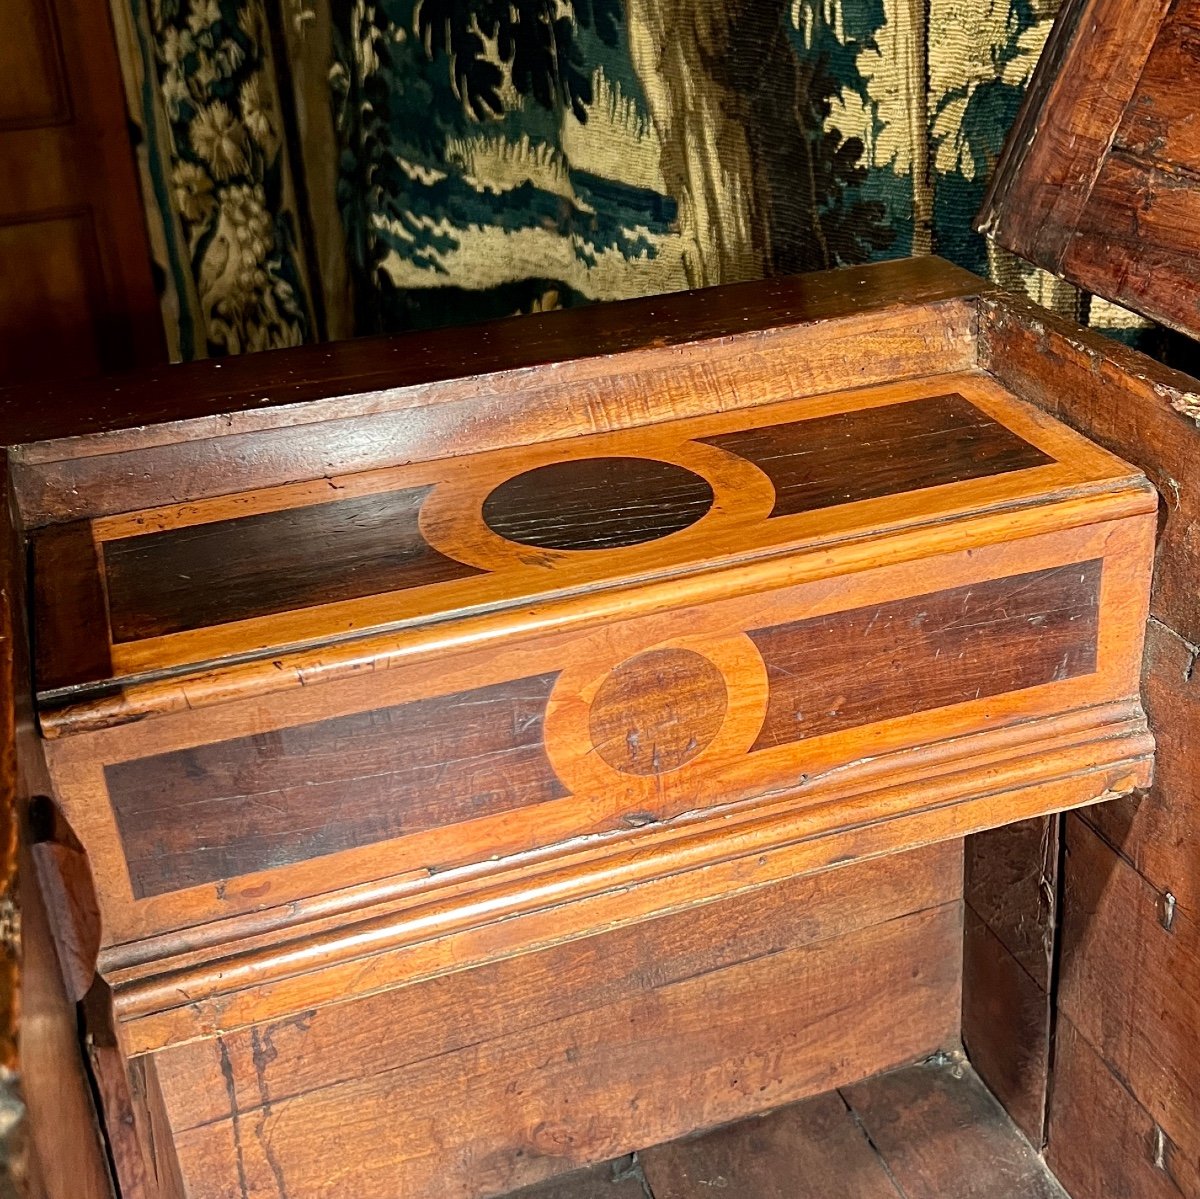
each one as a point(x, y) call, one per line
point(250, 591)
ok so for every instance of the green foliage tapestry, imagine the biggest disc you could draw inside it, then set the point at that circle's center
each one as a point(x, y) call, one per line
point(325, 168)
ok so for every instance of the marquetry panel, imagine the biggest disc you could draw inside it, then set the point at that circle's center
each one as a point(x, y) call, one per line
point(249, 575)
point(256, 803)
point(869, 453)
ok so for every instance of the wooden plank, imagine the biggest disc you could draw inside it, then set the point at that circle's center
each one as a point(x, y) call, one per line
point(697, 1052)
point(811, 1150)
point(1131, 987)
point(320, 1046)
point(1136, 240)
point(369, 374)
point(942, 1133)
point(1011, 880)
point(1161, 123)
point(1156, 829)
point(1125, 402)
point(1102, 1144)
point(50, 1146)
point(1071, 111)
point(1006, 1026)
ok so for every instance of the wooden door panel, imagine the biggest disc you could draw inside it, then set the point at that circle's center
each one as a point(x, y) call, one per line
point(31, 65)
point(48, 294)
point(76, 292)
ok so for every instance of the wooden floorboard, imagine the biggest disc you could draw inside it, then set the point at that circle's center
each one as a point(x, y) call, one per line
point(931, 1131)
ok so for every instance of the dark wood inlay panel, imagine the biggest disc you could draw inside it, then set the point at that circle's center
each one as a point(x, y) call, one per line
point(255, 803)
point(873, 452)
point(192, 578)
point(597, 503)
point(912, 655)
point(69, 642)
point(657, 711)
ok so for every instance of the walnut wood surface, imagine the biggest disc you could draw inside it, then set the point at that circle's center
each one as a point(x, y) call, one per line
point(1115, 1111)
point(827, 1146)
point(244, 965)
point(597, 503)
point(1010, 890)
point(269, 562)
point(231, 808)
point(444, 1016)
point(870, 453)
point(935, 1133)
point(934, 650)
point(243, 545)
point(1102, 1142)
point(1131, 988)
point(588, 1086)
point(51, 1147)
point(810, 1150)
point(1100, 181)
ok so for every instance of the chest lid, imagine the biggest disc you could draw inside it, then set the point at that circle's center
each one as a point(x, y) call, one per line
point(1100, 180)
point(278, 587)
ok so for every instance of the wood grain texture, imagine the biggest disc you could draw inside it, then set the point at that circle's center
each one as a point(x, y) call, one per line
point(1104, 1135)
point(71, 645)
point(341, 596)
point(1011, 894)
point(50, 1146)
point(875, 452)
point(266, 800)
point(1131, 988)
point(370, 375)
point(191, 577)
point(591, 1086)
point(657, 711)
point(1011, 881)
point(337, 1042)
point(1123, 401)
point(937, 649)
point(1156, 829)
point(1102, 1143)
point(1006, 1027)
point(1100, 179)
point(597, 503)
point(941, 1137)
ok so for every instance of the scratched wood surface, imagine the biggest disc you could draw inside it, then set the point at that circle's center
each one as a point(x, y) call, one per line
point(1100, 181)
point(257, 574)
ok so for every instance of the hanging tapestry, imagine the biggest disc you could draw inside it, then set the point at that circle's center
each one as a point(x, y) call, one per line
point(327, 168)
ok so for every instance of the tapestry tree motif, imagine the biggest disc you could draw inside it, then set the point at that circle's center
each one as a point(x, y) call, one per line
point(503, 156)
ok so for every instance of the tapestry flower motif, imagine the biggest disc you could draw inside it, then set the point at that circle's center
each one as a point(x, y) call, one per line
point(227, 172)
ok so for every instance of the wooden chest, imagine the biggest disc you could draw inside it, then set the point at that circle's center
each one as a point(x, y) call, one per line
point(452, 745)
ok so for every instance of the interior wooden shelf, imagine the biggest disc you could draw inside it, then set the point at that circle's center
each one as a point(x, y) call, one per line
point(930, 1131)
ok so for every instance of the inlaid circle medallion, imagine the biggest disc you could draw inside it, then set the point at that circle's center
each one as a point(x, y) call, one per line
point(657, 711)
point(597, 503)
